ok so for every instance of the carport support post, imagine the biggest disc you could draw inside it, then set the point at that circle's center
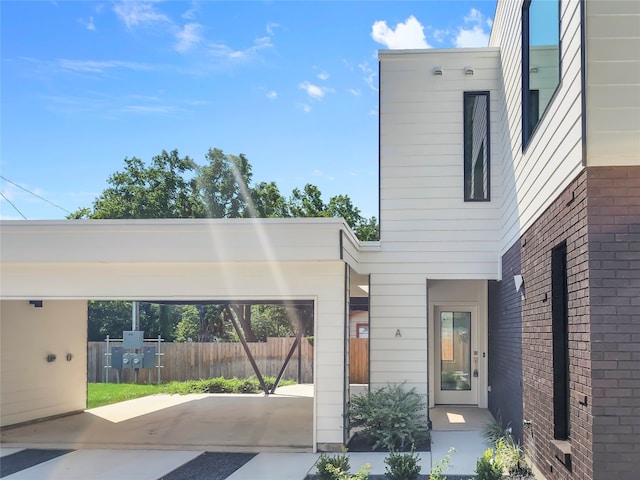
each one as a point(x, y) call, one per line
point(247, 351)
point(296, 343)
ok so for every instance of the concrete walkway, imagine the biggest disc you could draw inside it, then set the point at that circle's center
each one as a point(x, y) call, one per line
point(165, 436)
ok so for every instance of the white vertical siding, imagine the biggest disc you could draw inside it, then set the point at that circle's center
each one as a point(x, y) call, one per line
point(33, 388)
point(613, 82)
point(533, 179)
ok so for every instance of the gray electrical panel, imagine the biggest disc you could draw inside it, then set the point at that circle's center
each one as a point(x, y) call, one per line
point(116, 357)
point(149, 360)
point(132, 340)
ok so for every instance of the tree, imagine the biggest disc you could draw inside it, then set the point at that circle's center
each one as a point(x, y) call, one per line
point(108, 318)
point(224, 184)
point(307, 203)
point(267, 202)
point(156, 191)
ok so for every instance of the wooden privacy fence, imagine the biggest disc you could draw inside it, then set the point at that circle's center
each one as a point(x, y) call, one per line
point(192, 361)
point(359, 360)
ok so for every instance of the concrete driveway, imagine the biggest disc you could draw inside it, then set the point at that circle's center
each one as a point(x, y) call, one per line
point(207, 422)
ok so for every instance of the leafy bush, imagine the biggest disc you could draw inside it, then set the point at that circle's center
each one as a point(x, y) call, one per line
point(487, 468)
point(440, 466)
point(338, 474)
point(510, 456)
point(494, 431)
point(390, 417)
point(402, 466)
point(331, 466)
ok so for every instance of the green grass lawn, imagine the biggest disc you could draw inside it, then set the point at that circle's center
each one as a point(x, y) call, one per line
point(99, 394)
point(106, 393)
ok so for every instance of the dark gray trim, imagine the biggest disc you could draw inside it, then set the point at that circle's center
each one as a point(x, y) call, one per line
point(583, 78)
point(525, 72)
point(341, 245)
point(469, 161)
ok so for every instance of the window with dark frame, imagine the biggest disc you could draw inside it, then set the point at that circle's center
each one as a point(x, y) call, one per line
point(540, 61)
point(560, 339)
point(476, 147)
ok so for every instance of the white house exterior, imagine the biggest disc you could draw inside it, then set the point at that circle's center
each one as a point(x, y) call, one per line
point(507, 275)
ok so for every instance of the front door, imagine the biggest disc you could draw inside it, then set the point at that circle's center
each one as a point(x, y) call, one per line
point(456, 356)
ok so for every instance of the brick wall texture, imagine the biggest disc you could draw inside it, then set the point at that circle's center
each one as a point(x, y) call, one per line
point(613, 207)
point(505, 345)
point(598, 216)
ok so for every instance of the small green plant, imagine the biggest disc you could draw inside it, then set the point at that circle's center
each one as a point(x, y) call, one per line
point(487, 468)
point(402, 466)
point(510, 456)
point(390, 418)
point(330, 466)
point(494, 431)
point(439, 467)
point(339, 474)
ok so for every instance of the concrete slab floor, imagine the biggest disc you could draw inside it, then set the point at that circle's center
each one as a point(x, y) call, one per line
point(205, 422)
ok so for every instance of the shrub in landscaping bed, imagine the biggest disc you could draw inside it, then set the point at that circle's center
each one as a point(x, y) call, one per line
point(389, 419)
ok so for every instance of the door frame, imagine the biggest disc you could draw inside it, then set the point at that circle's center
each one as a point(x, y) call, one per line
point(482, 345)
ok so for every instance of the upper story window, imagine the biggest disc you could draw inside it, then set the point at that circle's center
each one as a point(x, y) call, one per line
point(540, 61)
point(476, 146)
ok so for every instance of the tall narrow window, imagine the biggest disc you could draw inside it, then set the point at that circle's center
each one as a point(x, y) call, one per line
point(540, 61)
point(476, 146)
point(560, 334)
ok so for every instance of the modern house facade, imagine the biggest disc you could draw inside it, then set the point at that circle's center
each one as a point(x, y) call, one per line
point(507, 275)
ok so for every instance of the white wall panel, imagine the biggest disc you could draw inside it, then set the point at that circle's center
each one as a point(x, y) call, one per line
point(32, 388)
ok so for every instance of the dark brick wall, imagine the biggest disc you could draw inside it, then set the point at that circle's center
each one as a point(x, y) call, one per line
point(613, 207)
point(564, 221)
point(505, 345)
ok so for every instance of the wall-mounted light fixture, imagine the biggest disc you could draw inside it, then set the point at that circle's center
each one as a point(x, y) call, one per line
point(518, 280)
point(437, 71)
point(533, 69)
point(36, 303)
point(468, 71)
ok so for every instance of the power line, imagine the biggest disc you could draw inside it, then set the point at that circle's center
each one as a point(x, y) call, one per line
point(11, 203)
point(34, 194)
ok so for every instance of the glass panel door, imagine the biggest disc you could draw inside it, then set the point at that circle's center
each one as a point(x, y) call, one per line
point(456, 356)
point(455, 351)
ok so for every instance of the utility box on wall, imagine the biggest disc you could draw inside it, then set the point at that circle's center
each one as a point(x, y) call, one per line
point(132, 340)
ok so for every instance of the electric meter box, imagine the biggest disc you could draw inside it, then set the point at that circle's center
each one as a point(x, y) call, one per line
point(132, 340)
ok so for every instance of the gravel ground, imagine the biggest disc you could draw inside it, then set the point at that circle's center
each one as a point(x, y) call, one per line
point(210, 466)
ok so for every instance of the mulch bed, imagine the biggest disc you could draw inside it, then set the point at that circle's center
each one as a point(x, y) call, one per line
point(360, 444)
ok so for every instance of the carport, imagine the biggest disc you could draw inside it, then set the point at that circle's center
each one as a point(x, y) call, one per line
point(49, 269)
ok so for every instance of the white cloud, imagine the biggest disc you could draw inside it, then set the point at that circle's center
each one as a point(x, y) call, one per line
point(270, 28)
point(323, 75)
point(354, 92)
point(220, 50)
point(440, 34)
point(409, 34)
point(304, 107)
point(88, 24)
point(139, 13)
point(370, 75)
point(319, 173)
point(314, 91)
point(188, 36)
point(373, 112)
point(474, 37)
point(475, 16)
point(272, 95)
point(191, 13)
point(93, 66)
point(348, 65)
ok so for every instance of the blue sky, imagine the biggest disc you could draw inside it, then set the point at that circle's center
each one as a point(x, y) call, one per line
point(292, 85)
